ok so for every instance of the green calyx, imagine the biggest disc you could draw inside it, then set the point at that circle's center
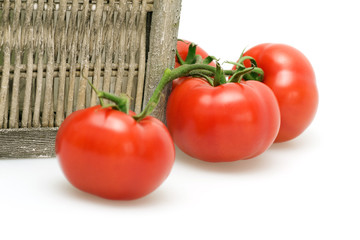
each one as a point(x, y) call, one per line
point(256, 73)
point(219, 76)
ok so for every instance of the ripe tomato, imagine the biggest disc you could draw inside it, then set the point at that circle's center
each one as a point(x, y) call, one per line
point(291, 77)
point(107, 153)
point(228, 122)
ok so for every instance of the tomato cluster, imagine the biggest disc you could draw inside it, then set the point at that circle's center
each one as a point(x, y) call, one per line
point(212, 114)
point(240, 120)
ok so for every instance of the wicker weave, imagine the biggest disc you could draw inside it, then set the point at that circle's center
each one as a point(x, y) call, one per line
point(48, 46)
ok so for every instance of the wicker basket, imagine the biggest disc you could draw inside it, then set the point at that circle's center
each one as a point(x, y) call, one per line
point(46, 46)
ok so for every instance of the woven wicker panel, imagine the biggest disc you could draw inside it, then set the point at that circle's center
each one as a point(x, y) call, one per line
point(49, 48)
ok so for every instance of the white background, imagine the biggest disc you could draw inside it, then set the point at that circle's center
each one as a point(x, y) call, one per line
point(307, 188)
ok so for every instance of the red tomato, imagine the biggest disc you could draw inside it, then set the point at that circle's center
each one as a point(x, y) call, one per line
point(107, 153)
point(229, 122)
point(291, 77)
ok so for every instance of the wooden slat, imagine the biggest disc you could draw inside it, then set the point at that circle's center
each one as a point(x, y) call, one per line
point(77, 67)
point(49, 48)
point(162, 49)
point(28, 33)
point(84, 35)
point(108, 42)
point(149, 4)
point(14, 105)
point(121, 29)
point(72, 45)
point(61, 32)
point(142, 59)
point(114, 72)
point(98, 45)
point(27, 142)
point(4, 86)
point(39, 33)
point(132, 45)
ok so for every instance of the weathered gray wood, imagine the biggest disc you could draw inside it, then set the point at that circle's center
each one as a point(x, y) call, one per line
point(63, 57)
point(40, 64)
point(4, 86)
point(108, 42)
point(84, 35)
point(28, 46)
point(120, 29)
point(142, 58)
point(163, 36)
point(98, 47)
point(132, 36)
point(50, 48)
point(14, 109)
point(72, 46)
point(27, 142)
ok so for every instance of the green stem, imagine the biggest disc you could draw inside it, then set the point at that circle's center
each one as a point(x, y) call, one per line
point(121, 103)
point(170, 75)
point(238, 76)
point(210, 73)
point(229, 72)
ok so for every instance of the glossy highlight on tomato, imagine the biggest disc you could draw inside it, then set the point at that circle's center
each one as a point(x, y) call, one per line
point(291, 77)
point(107, 153)
point(229, 122)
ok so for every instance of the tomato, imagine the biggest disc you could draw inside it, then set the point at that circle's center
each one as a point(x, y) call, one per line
point(107, 153)
point(291, 77)
point(228, 122)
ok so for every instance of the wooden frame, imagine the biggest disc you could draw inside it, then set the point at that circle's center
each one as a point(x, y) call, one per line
point(122, 46)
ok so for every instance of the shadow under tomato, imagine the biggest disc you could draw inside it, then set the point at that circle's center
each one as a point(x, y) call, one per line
point(307, 140)
point(285, 146)
point(256, 164)
point(155, 198)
